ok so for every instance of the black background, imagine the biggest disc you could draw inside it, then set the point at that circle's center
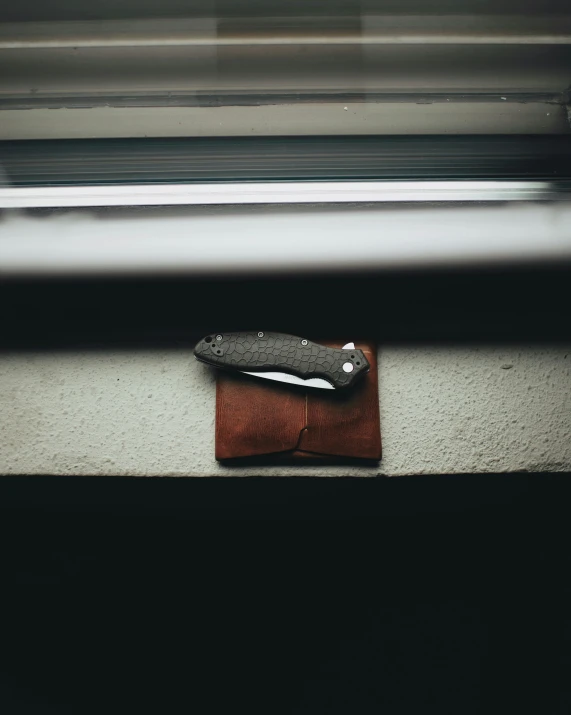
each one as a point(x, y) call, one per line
point(442, 594)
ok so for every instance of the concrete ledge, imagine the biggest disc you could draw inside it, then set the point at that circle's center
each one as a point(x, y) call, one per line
point(443, 410)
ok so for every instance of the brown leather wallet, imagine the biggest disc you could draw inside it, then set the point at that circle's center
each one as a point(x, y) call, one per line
point(263, 419)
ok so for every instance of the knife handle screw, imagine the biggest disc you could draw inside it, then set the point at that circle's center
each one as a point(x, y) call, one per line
point(260, 335)
point(218, 337)
point(304, 342)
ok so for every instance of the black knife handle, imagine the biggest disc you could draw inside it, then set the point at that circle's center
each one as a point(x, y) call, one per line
point(276, 352)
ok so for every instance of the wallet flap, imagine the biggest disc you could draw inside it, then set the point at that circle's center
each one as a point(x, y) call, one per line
point(255, 418)
point(346, 423)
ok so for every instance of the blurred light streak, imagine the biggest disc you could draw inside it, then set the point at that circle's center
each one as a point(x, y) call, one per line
point(281, 193)
point(258, 240)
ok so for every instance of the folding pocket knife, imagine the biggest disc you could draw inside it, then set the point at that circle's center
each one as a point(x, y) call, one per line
point(286, 358)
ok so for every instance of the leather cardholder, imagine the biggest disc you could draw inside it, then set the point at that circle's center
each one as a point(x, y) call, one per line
point(264, 419)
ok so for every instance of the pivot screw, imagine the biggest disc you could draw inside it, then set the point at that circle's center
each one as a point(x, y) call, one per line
point(218, 337)
point(260, 335)
point(304, 342)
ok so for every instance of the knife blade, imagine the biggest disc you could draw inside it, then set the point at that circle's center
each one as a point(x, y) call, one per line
point(286, 358)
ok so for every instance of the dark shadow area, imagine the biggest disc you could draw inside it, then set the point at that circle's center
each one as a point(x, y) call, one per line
point(404, 595)
point(527, 304)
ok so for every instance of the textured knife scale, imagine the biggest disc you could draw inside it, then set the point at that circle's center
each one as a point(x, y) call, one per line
point(272, 422)
point(270, 352)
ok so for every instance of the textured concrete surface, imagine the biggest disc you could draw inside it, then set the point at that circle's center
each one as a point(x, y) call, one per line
point(443, 410)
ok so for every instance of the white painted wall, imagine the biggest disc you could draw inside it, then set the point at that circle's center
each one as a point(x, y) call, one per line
point(443, 410)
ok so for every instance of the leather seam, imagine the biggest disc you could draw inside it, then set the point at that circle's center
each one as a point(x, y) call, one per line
point(303, 429)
